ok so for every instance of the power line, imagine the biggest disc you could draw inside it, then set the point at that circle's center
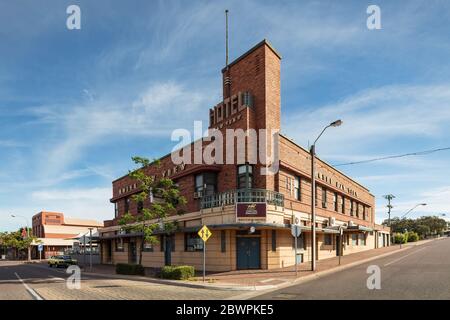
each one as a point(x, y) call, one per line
point(420, 153)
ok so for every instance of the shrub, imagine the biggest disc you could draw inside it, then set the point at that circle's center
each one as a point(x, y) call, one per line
point(413, 236)
point(400, 238)
point(133, 269)
point(177, 272)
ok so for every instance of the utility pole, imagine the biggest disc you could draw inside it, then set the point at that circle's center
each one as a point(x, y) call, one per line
point(389, 198)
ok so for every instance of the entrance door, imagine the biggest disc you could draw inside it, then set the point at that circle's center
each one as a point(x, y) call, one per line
point(248, 252)
point(109, 252)
point(167, 250)
point(132, 254)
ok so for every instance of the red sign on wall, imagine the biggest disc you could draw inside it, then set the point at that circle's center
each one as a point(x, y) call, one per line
point(250, 210)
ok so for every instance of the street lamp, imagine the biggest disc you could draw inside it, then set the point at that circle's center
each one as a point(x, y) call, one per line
point(336, 123)
point(90, 248)
point(417, 205)
point(28, 232)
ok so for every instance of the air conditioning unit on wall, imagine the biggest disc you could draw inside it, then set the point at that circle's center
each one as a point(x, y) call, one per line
point(198, 195)
point(331, 221)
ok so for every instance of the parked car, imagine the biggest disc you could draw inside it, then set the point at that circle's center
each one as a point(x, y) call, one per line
point(64, 261)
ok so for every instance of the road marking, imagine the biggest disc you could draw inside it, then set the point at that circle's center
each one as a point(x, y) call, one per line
point(401, 258)
point(31, 291)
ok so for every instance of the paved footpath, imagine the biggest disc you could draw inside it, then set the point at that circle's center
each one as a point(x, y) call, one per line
point(260, 279)
point(41, 282)
point(421, 272)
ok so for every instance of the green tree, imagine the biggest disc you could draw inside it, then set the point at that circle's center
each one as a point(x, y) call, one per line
point(167, 201)
point(15, 241)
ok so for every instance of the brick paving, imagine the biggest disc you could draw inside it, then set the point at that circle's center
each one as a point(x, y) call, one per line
point(121, 289)
point(255, 278)
point(283, 275)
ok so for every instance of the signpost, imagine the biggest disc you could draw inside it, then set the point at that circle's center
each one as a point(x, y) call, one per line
point(204, 234)
point(341, 233)
point(296, 232)
point(40, 248)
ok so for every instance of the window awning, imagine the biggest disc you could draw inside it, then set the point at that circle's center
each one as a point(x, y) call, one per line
point(358, 228)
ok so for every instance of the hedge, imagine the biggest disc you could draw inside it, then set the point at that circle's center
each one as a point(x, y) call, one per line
point(400, 238)
point(133, 269)
point(413, 236)
point(177, 272)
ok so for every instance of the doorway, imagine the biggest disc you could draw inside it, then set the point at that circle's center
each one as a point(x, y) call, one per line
point(248, 253)
point(132, 252)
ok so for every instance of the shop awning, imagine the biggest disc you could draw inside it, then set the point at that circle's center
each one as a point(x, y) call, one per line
point(358, 228)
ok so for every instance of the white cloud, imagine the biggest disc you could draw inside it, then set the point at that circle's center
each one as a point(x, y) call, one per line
point(72, 194)
point(151, 114)
point(380, 114)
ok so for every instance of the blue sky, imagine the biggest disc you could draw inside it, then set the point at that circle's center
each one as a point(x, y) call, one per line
point(76, 105)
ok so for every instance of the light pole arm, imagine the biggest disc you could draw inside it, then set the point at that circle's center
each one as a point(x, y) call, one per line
point(315, 141)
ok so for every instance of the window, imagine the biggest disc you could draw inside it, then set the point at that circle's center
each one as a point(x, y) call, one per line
point(343, 205)
point(354, 239)
point(119, 244)
point(127, 205)
point(274, 240)
point(245, 177)
point(362, 239)
point(208, 180)
point(223, 239)
point(116, 210)
point(140, 206)
point(335, 201)
point(357, 209)
point(192, 242)
point(328, 240)
point(364, 212)
point(148, 247)
point(317, 193)
point(297, 189)
point(352, 208)
point(324, 198)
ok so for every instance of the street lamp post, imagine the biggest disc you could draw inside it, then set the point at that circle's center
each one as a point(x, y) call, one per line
point(417, 205)
point(28, 232)
point(90, 249)
point(336, 123)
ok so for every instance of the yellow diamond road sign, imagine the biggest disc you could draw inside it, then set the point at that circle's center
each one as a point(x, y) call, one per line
point(204, 233)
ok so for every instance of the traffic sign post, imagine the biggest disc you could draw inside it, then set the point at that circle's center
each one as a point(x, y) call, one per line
point(204, 234)
point(341, 233)
point(296, 232)
point(40, 248)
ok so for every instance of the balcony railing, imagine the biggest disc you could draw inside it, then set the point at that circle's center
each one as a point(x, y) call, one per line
point(242, 195)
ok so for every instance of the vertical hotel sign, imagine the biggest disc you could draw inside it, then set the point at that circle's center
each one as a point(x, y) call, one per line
point(251, 210)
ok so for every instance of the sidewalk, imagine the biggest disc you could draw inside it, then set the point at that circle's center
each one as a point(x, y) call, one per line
point(265, 279)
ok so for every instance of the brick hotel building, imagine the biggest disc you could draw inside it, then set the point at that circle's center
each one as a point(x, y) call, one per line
point(250, 214)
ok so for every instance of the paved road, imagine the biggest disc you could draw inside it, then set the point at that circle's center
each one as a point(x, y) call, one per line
point(20, 281)
point(422, 272)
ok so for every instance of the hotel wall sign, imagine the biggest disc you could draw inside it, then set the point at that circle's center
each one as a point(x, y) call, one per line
point(251, 210)
point(338, 185)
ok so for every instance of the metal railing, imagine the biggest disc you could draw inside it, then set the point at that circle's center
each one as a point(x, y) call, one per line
point(242, 195)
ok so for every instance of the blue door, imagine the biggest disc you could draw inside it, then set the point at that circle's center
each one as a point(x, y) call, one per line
point(248, 253)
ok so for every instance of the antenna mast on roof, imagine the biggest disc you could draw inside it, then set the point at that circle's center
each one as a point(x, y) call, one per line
point(226, 37)
point(227, 79)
